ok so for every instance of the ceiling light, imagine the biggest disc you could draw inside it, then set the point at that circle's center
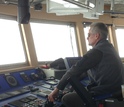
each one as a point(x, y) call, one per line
point(55, 7)
point(90, 9)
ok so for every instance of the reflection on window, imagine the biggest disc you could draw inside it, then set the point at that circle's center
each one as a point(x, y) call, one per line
point(11, 49)
point(53, 41)
point(86, 30)
point(120, 41)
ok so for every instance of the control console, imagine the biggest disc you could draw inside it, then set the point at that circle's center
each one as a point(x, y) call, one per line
point(28, 88)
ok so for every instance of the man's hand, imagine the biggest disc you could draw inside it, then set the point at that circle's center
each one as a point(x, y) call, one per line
point(53, 95)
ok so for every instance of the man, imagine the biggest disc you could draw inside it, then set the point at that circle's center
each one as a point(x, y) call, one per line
point(106, 69)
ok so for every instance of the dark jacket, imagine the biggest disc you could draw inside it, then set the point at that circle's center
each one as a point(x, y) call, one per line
point(105, 69)
point(108, 74)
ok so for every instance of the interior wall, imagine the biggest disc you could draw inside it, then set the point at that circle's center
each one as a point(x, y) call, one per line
point(77, 19)
point(43, 15)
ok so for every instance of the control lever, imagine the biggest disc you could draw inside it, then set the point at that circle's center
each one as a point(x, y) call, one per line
point(48, 104)
point(60, 95)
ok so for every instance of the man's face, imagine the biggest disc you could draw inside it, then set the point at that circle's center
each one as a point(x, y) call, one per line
point(92, 38)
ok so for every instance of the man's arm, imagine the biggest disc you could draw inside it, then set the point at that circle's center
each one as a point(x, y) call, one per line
point(89, 60)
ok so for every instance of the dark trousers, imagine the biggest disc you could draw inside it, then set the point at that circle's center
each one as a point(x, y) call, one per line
point(72, 100)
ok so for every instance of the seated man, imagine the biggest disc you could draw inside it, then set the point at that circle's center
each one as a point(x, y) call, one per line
point(104, 64)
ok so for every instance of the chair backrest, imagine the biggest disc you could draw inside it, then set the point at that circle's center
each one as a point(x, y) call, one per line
point(82, 92)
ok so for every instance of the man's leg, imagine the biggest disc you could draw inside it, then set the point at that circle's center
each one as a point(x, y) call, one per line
point(72, 100)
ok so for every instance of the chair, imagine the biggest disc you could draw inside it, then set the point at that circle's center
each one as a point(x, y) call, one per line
point(107, 100)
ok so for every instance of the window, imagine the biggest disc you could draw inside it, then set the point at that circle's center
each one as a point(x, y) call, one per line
point(86, 31)
point(11, 48)
point(120, 41)
point(53, 41)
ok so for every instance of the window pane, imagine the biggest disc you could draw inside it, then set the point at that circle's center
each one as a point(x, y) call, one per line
point(53, 41)
point(86, 30)
point(120, 41)
point(11, 49)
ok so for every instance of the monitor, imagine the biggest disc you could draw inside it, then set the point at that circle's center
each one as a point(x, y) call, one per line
point(70, 61)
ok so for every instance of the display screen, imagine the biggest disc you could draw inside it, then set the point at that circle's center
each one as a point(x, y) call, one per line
point(70, 61)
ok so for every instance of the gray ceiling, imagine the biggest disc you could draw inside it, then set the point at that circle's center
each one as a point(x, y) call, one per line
point(106, 1)
point(118, 6)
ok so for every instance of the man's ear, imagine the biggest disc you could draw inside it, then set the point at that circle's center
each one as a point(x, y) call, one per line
point(97, 36)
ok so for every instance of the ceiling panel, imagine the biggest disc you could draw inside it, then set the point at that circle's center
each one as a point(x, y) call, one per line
point(118, 7)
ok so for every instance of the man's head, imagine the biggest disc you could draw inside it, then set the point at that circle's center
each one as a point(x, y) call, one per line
point(97, 32)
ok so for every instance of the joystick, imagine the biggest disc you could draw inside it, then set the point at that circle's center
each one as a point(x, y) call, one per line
point(48, 104)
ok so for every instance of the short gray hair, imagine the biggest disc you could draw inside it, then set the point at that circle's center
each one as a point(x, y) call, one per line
point(101, 28)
